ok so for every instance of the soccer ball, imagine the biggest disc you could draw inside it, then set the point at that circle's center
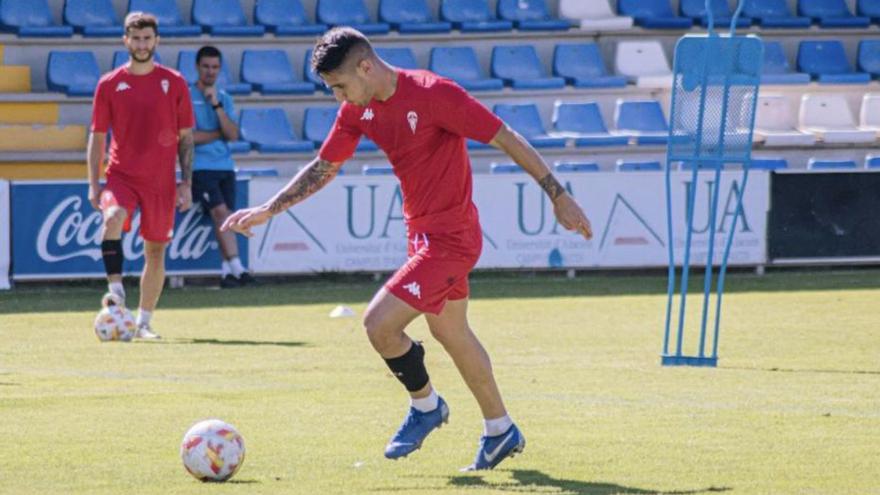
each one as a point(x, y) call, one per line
point(212, 450)
point(114, 322)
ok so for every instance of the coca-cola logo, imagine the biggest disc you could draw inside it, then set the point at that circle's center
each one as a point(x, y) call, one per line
point(69, 232)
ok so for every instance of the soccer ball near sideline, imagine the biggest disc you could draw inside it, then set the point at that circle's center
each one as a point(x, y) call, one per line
point(212, 450)
point(114, 322)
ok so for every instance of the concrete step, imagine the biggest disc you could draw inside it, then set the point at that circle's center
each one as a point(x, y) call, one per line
point(42, 137)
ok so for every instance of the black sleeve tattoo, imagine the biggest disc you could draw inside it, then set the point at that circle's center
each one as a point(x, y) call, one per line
point(551, 186)
point(185, 146)
point(311, 179)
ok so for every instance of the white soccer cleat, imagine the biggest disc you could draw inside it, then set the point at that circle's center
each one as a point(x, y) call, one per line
point(112, 299)
point(146, 333)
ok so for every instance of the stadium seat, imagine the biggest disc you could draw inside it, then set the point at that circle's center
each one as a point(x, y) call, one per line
point(775, 124)
point(471, 15)
point(317, 123)
point(520, 68)
point(309, 74)
point(576, 167)
point(582, 66)
point(223, 18)
point(869, 114)
point(869, 57)
point(644, 120)
point(872, 161)
point(594, 15)
point(351, 13)
point(828, 116)
point(776, 69)
point(531, 15)
point(644, 63)
point(831, 14)
point(823, 164)
point(461, 65)
point(238, 147)
point(505, 168)
point(826, 62)
point(774, 14)
point(525, 119)
point(768, 163)
point(270, 73)
point(702, 165)
point(696, 10)
point(269, 131)
point(411, 16)
point(92, 18)
point(251, 172)
point(377, 170)
point(286, 18)
point(584, 123)
point(186, 65)
point(30, 19)
point(399, 57)
point(869, 8)
point(653, 14)
point(120, 57)
point(170, 21)
point(639, 166)
point(73, 73)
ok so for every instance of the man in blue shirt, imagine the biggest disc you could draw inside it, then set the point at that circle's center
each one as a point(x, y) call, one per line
point(213, 170)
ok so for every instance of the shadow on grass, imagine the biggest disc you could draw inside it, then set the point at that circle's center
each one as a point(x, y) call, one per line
point(243, 482)
point(291, 343)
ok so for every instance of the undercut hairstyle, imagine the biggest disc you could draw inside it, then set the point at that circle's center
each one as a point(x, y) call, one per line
point(208, 51)
point(141, 20)
point(334, 47)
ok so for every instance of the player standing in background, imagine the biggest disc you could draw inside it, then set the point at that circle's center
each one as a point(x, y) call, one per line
point(421, 121)
point(148, 108)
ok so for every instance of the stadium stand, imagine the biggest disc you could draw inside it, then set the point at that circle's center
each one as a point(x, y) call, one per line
point(270, 73)
point(644, 63)
point(828, 117)
point(653, 14)
point(826, 62)
point(74, 73)
point(268, 130)
point(644, 120)
point(638, 166)
point(774, 14)
point(399, 57)
point(872, 161)
point(472, 16)
point(594, 15)
point(776, 69)
point(776, 124)
point(831, 14)
point(869, 114)
point(223, 18)
point(505, 168)
point(868, 59)
point(168, 15)
point(532, 15)
point(349, 13)
point(286, 18)
point(584, 123)
point(768, 163)
point(520, 68)
point(30, 18)
point(377, 170)
point(525, 119)
point(582, 66)
point(460, 64)
point(576, 167)
point(869, 8)
point(820, 164)
point(696, 10)
point(92, 18)
point(411, 16)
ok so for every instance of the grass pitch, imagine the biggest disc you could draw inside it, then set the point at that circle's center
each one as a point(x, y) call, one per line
point(793, 408)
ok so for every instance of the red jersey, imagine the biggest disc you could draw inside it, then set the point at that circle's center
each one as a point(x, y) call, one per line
point(145, 114)
point(422, 128)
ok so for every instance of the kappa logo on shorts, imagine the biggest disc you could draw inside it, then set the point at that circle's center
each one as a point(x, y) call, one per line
point(414, 289)
point(122, 86)
point(368, 114)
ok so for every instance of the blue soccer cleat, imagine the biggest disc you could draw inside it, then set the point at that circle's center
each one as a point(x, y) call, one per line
point(495, 449)
point(414, 429)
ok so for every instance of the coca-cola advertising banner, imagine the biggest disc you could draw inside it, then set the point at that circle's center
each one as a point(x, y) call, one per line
point(4, 235)
point(57, 234)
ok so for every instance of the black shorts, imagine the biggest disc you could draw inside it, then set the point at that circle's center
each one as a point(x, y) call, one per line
point(213, 188)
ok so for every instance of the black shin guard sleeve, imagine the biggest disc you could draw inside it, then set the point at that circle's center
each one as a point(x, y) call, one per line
point(410, 368)
point(112, 253)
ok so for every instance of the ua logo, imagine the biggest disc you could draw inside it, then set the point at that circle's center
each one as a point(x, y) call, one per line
point(165, 85)
point(122, 86)
point(413, 119)
point(368, 114)
point(414, 289)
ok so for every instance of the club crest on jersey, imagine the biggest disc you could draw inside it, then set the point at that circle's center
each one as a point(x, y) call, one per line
point(367, 115)
point(413, 119)
point(165, 85)
point(122, 86)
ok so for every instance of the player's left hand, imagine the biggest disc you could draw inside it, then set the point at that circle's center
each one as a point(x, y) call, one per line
point(242, 220)
point(571, 216)
point(184, 196)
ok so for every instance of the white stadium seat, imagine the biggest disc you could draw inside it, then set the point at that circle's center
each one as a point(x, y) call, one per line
point(828, 116)
point(775, 124)
point(594, 15)
point(869, 116)
point(644, 63)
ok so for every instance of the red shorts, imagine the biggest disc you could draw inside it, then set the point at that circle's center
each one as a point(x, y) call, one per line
point(157, 209)
point(437, 269)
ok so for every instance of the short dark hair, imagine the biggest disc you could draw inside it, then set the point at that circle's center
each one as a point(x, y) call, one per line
point(208, 51)
point(141, 20)
point(334, 46)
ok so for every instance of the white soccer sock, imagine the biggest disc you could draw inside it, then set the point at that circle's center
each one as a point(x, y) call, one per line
point(237, 268)
point(497, 426)
point(225, 269)
point(144, 317)
point(426, 404)
point(117, 288)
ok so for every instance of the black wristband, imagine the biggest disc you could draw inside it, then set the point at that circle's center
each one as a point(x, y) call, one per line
point(215, 107)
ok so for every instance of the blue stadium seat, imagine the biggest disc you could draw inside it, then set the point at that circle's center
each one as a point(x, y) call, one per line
point(411, 16)
point(774, 14)
point(377, 170)
point(696, 10)
point(73, 73)
point(831, 14)
point(223, 18)
point(349, 13)
point(461, 65)
point(170, 21)
point(252, 172)
point(872, 161)
point(269, 131)
point(317, 122)
point(505, 168)
point(285, 18)
point(638, 166)
point(826, 61)
point(583, 122)
point(30, 19)
point(644, 120)
point(769, 163)
point(582, 66)
point(270, 73)
point(238, 147)
point(869, 8)
point(120, 57)
point(92, 18)
point(576, 167)
point(525, 119)
point(822, 164)
point(398, 57)
point(471, 15)
point(653, 14)
point(869, 57)
point(520, 67)
point(309, 74)
point(186, 65)
point(532, 15)
point(776, 69)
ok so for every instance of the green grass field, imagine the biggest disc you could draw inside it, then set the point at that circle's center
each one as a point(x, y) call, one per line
point(793, 408)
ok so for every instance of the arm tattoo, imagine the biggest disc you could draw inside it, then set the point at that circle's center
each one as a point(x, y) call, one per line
point(551, 186)
point(185, 155)
point(306, 183)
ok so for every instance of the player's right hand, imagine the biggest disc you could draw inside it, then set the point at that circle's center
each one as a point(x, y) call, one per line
point(95, 197)
point(242, 220)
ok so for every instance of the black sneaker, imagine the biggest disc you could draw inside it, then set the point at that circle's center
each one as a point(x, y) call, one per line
point(229, 282)
point(247, 279)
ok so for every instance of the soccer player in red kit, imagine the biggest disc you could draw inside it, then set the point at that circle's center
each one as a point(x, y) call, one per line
point(421, 121)
point(147, 108)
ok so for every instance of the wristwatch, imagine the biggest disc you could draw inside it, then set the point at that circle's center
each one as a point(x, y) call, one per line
point(215, 107)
